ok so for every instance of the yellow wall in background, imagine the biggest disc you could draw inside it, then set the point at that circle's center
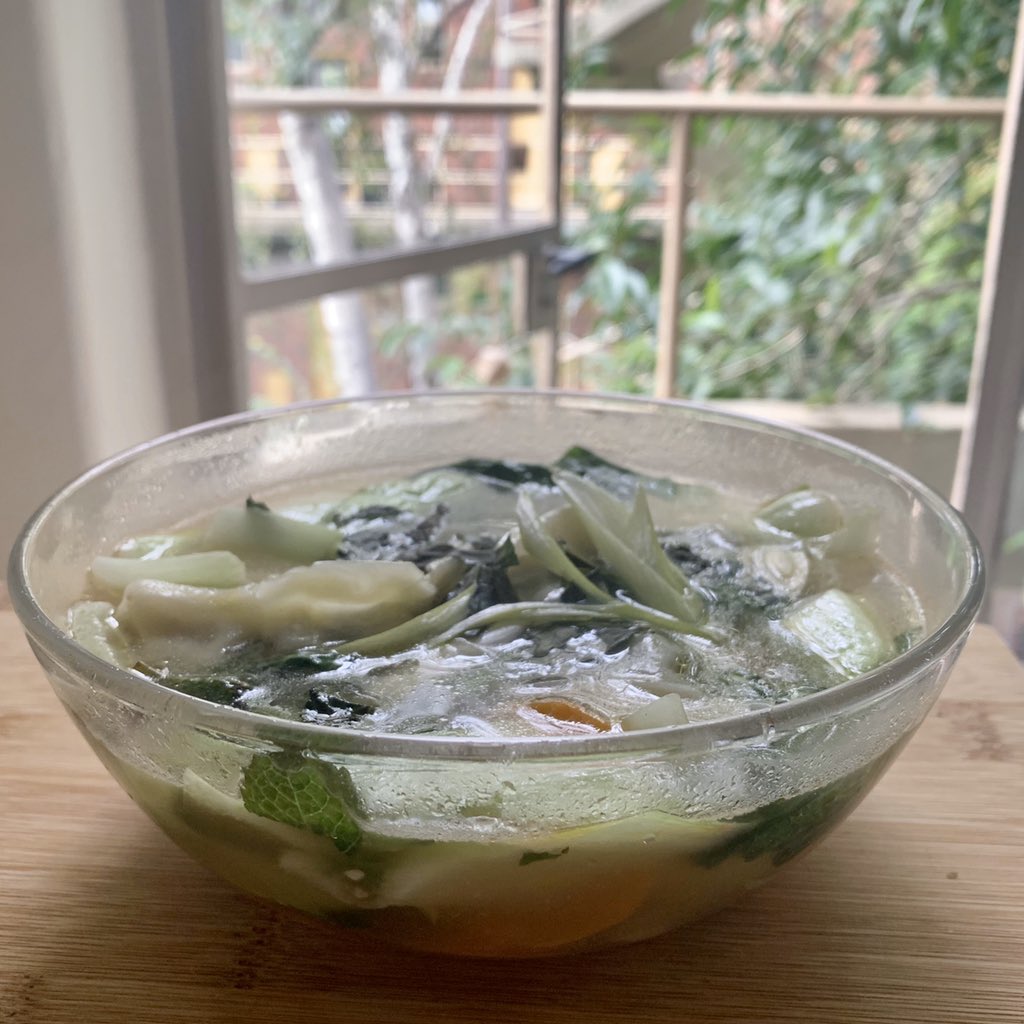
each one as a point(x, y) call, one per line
point(526, 188)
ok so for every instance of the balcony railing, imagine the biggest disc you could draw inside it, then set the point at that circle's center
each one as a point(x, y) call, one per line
point(276, 288)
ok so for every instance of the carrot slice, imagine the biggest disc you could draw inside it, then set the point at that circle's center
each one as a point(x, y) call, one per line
point(569, 712)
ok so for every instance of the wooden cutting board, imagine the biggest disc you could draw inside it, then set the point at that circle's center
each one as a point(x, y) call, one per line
point(913, 911)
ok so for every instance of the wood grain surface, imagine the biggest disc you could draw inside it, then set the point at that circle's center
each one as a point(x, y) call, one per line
point(913, 911)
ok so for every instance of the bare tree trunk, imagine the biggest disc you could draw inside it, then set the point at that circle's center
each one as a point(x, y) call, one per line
point(453, 76)
point(330, 238)
point(407, 191)
point(408, 181)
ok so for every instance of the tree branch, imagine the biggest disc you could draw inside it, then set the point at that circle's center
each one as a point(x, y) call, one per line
point(434, 33)
point(453, 76)
point(896, 306)
point(761, 360)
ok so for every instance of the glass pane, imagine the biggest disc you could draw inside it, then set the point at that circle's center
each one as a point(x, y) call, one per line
point(845, 46)
point(322, 42)
point(832, 266)
point(319, 350)
point(853, 283)
point(319, 188)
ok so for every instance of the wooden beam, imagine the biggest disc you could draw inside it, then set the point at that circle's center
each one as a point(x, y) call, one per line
point(673, 243)
point(779, 104)
point(619, 102)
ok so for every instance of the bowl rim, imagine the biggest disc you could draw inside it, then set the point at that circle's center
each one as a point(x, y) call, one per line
point(53, 641)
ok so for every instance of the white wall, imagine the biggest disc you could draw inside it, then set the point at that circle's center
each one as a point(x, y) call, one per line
point(93, 307)
point(41, 416)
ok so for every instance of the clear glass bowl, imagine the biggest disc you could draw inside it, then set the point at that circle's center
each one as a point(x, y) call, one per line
point(526, 846)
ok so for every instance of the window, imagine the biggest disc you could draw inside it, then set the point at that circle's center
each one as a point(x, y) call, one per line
point(686, 296)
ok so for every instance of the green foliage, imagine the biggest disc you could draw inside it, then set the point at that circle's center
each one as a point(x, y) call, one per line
point(282, 35)
point(301, 791)
point(825, 260)
point(619, 293)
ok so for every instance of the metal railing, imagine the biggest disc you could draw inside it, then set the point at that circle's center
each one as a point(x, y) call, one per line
point(278, 288)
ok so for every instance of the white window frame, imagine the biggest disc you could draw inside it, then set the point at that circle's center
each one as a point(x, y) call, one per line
point(989, 443)
point(222, 295)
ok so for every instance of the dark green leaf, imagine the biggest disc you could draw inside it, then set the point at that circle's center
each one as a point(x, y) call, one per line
point(531, 858)
point(384, 532)
point(620, 481)
point(326, 705)
point(218, 690)
point(786, 827)
point(492, 585)
point(497, 471)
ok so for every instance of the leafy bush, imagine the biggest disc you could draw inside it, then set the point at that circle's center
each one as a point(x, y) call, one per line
point(837, 260)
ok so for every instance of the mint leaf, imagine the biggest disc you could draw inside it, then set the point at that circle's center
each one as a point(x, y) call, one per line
point(299, 790)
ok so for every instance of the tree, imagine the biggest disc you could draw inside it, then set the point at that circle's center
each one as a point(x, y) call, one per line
point(400, 35)
point(284, 34)
point(829, 260)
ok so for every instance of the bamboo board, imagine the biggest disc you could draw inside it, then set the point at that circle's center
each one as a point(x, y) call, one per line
point(913, 911)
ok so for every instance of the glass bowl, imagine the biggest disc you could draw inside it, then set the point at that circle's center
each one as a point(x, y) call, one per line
point(526, 846)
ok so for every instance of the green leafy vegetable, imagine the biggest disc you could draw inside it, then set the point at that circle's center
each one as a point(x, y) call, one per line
point(539, 613)
point(254, 529)
point(202, 569)
point(628, 545)
point(305, 662)
point(417, 494)
point(902, 642)
point(391, 533)
point(532, 858)
point(803, 513)
point(834, 626)
point(413, 631)
point(764, 579)
point(491, 578)
point(514, 473)
point(299, 790)
point(325, 705)
point(92, 625)
point(539, 543)
point(617, 479)
point(216, 689)
point(786, 827)
point(578, 460)
point(237, 677)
